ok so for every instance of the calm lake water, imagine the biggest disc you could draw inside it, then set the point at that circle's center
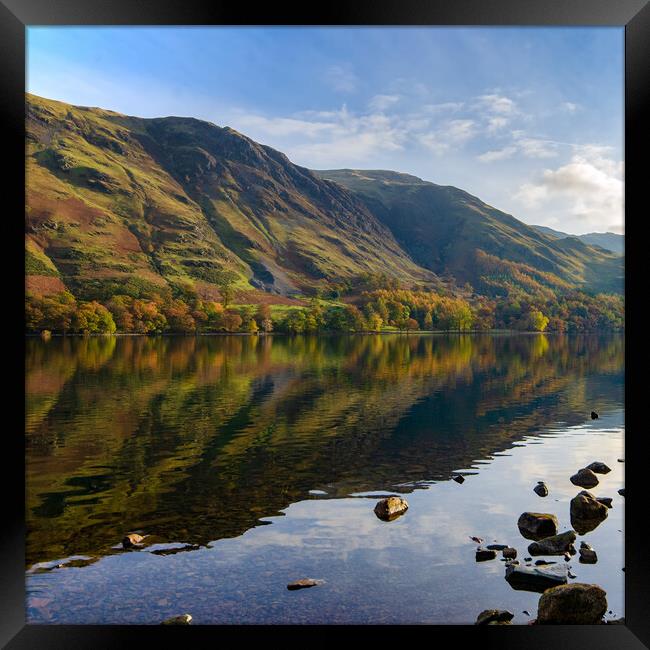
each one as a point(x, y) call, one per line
point(250, 462)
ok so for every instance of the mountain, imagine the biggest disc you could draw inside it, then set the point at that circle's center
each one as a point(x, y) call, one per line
point(449, 231)
point(608, 240)
point(113, 199)
point(126, 205)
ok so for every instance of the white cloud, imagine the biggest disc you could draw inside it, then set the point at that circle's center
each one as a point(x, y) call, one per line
point(569, 107)
point(498, 104)
point(341, 78)
point(588, 189)
point(452, 133)
point(451, 107)
point(537, 148)
point(498, 154)
point(382, 102)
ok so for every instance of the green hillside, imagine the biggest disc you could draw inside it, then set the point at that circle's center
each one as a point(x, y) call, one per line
point(176, 224)
point(449, 231)
point(113, 199)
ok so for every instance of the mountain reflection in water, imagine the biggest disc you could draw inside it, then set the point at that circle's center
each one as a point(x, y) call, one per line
point(197, 439)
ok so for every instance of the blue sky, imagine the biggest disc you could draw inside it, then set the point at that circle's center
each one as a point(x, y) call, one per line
point(528, 119)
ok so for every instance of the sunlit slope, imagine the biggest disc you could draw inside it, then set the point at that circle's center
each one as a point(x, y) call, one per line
point(447, 230)
point(112, 198)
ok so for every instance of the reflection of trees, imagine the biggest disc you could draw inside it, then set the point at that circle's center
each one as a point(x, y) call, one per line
point(196, 438)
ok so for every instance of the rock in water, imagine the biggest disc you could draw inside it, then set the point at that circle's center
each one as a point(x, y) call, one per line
point(183, 619)
point(510, 553)
point(586, 512)
point(488, 616)
point(483, 555)
point(555, 545)
point(599, 468)
point(391, 508)
point(594, 415)
point(305, 583)
point(496, 547)
point(537, 525)
point(587, 554)
point(536, 578)
point(622, 492)
point(574, 604)
point(540, 489)
point(606, 501)
point(132, 539)
point(584, 478)
point(459, 479)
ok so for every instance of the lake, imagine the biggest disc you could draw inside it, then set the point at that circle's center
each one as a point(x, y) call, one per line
point(249, 462)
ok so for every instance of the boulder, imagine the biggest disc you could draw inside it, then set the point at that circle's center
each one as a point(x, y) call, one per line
point(586, 512)
point(599, 468)
point(584, 478)
point(304, 583)
point(537, 525)
point(606, 501)
point(183, 619)
point(482, 555)
point(574, 604)
point(132, 539)
point(587, 554)
point(555, 545)
point(535, 578)
point(540, 489)
point(488, 616)
point(509, 553)
point(391, 508)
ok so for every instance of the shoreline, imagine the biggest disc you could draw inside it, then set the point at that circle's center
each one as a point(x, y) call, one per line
point(328, 333)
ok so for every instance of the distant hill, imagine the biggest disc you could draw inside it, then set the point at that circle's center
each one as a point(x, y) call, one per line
point(449, 231)
point(608, 240)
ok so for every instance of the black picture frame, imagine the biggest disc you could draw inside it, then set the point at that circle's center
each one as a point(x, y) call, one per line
point(634, 15)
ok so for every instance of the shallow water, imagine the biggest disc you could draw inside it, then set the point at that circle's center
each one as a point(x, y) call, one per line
point(266, 455)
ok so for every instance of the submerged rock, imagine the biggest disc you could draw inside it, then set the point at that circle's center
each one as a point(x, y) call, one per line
point(599, 468)
point(540, 489)
point(488, 616)
point(586, 512)
point(584, 478)
point(482, 555)
point(131, 540)
point(391, 508)
point(183, 619)
point(535, 578)
point(478, 540)
point(554, 545)
point(304, 583)
point(574, 604)
point(496, 547)
point(537, 525)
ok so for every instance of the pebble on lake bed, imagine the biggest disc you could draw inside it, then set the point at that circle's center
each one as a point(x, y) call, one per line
point(183, 619)
point(540, 489)
point(599, 468)
point(488, 616)
point(132, 539)
point(584, 478)
point(391, 508)
point(304, 583)
point(483, 555)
